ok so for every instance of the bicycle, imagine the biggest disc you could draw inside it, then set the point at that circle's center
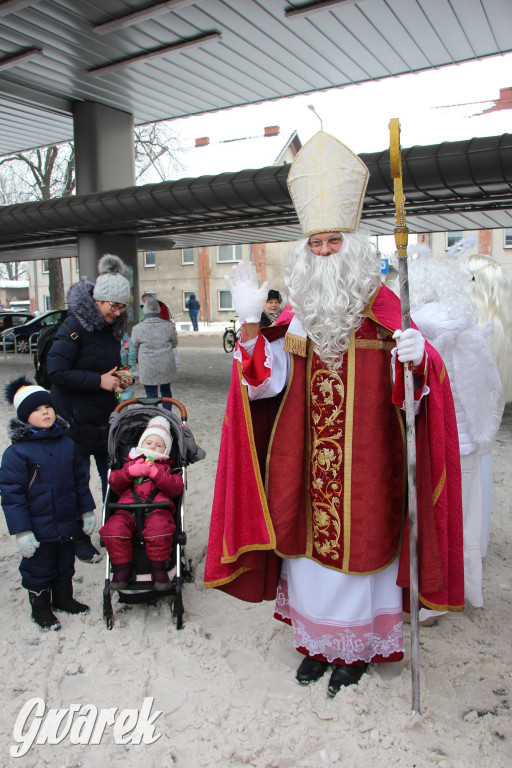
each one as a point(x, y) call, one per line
point(229, 337)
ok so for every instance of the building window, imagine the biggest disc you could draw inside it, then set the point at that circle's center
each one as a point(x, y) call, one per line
point(225, 301)
point(507, 238)
point(187, 256)
point(186, 296)
point(229, 253)
point(46, 267)
point(76, 265)
point(46, 300)
point(452, 238)
point(149, 259)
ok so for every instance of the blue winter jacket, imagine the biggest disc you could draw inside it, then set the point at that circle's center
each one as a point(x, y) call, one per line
point(193, 303)
point(43, 482)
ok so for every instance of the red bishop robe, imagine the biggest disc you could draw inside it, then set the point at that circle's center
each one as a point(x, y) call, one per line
point(320, 471)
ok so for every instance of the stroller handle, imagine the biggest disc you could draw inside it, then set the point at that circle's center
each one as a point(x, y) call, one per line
point(152, 401)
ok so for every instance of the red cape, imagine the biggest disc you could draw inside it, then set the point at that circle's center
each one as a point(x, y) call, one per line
point(240, 556)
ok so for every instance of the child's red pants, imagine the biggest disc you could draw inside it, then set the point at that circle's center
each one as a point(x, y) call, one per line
point(119, 529)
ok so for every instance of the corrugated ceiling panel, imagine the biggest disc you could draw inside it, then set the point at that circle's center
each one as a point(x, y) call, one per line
point(415, 20)
point(356, 47)
point(475, 26)
point(263, 53)
point(272, 46)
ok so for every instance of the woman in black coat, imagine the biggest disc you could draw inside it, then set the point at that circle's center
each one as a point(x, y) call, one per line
point(81, 365)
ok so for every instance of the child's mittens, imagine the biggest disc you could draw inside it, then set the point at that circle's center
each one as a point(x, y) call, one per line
point(27, 543)
point(89, 519)
point(138, 469)
point(153, 471)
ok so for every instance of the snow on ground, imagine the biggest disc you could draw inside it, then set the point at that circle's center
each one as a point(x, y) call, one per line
point(225, 683)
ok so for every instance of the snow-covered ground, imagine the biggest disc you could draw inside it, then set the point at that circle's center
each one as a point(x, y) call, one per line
point(225, 683)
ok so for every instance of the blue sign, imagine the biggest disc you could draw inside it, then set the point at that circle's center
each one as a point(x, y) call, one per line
point(384, 266)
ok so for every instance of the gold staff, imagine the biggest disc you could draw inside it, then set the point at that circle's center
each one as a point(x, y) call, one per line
point(401, 236)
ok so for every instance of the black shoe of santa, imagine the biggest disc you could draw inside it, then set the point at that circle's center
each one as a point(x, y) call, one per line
point(310, 670)
point(343, 676)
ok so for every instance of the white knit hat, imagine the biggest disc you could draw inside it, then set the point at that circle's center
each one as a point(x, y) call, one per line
point(161, 427)
point(327, 183)
point(111, 285)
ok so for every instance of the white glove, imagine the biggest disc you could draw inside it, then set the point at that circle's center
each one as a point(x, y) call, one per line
point(27, 543)
point(248, 298)
point(410, 346)
point(89, 519)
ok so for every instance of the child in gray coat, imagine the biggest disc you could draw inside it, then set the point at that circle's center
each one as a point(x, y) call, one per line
point(155, 340)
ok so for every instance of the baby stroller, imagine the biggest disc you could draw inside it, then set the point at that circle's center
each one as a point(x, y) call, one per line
point(127, 422)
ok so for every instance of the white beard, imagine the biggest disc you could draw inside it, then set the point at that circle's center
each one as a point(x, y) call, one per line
point(329, 293)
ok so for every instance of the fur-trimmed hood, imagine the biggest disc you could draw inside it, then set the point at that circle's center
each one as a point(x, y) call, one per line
point(82, 305)
point(19, 430)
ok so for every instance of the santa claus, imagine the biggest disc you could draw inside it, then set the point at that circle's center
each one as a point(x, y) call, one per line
point(310, 501)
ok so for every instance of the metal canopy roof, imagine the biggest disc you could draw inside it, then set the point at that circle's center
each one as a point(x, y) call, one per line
point(176, 58)
point(450, 186)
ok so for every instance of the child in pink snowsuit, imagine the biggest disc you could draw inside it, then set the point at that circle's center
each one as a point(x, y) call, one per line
point(146, 476)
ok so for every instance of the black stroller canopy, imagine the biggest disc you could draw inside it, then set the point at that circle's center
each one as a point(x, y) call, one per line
point(126, 427)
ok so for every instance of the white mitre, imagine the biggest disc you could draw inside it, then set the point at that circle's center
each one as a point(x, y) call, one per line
point(327, 182)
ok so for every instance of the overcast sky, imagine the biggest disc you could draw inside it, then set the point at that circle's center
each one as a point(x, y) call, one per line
point(359, 115)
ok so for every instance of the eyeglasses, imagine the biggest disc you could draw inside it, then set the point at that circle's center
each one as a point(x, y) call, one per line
point(334, 242)
point(118, 307)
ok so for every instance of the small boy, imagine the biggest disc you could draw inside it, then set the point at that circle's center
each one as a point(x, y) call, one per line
point(145, 477)
point(45, 491)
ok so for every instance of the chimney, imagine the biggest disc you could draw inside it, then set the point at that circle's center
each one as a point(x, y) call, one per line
point(203, 142)
point(272, 130)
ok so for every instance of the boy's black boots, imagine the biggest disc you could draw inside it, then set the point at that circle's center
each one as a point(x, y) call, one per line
point(63, 600)
point(42, 610)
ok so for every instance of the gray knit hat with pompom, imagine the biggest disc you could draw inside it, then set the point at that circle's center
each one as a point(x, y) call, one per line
point(111, 285)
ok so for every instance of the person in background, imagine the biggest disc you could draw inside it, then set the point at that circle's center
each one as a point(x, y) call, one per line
point(165, 312)
point(128, 363)
point(82, 362)
point(193, 307)
point(45, 491)
point(491, 290)
point(271, 310)
point(155, 340)
point(443, 310)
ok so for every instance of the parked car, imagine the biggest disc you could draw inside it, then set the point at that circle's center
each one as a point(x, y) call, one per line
point(8, 319)
point(22, 333)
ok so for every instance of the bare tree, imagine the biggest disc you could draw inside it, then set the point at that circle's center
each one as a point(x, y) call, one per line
point(41, 174)
point(14, 270)
point(11, 270)
point(156, 149)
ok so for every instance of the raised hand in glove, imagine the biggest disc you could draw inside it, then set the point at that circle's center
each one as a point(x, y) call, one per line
point(410, 346)
point(89, 519)
point(248, 298)
point(27, 543)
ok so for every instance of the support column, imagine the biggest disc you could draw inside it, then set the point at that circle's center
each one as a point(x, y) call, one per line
point(105, 159)
point(104, 148)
